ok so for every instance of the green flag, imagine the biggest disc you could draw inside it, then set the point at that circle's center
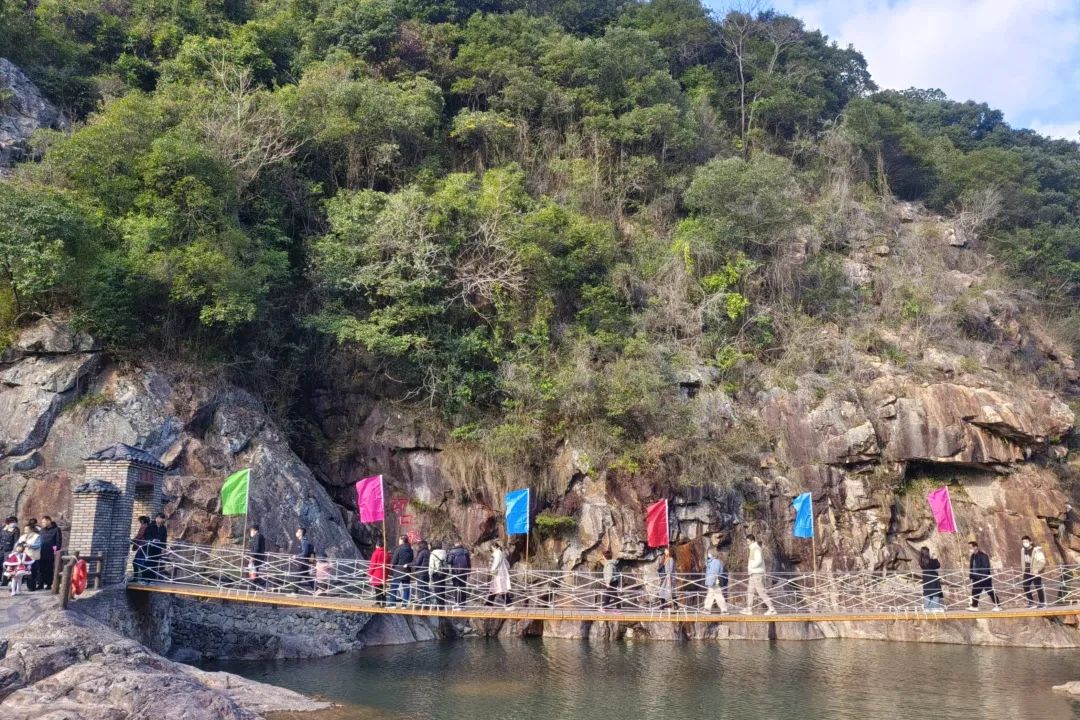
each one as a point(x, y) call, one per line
point(234, 493)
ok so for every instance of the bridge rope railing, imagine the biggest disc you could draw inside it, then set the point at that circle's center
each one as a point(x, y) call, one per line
point(580, 591)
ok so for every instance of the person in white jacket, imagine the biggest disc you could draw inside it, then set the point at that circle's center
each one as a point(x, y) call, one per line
point(1033, 561)
point(755, 583)
point(31, 540)
point(437, 567)
point(500, 576)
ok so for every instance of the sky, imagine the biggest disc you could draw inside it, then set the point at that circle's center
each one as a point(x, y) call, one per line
point(1019, 56)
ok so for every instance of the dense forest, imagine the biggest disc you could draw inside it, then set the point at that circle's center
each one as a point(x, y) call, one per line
point(532, 216)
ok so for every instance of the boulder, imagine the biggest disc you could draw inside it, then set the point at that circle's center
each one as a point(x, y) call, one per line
point(69, 665)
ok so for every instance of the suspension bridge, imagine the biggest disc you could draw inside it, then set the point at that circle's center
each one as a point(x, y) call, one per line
point(581, 596)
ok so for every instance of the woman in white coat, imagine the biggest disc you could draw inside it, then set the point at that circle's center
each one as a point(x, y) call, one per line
point(500, 576)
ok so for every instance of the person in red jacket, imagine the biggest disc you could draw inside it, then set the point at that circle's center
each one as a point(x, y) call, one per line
point(377, 572)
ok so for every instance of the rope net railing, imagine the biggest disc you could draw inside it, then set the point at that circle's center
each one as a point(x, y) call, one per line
point(580, 592)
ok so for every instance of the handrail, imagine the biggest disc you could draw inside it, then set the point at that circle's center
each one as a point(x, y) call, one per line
point(232, 570)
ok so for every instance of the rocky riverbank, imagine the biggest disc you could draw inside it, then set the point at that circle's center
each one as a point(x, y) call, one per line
point(64, 664)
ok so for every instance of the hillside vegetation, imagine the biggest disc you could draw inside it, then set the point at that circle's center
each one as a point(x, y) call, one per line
point(549, 221)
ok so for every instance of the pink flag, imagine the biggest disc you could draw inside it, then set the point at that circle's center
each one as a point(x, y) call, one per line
point(941, 506)
point(369, 499)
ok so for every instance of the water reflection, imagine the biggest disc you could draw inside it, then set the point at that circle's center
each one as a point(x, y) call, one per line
point(544, 679)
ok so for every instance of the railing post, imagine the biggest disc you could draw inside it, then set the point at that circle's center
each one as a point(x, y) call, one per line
point(57, 569)
point(65, 584)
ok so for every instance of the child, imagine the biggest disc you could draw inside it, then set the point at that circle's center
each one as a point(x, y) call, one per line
point(17, 566)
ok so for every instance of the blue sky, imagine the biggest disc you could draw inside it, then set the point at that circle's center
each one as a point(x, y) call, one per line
point(1020, 56)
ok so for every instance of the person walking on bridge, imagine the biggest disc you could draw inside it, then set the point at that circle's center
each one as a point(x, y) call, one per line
point(158, 538)
point(303, 562)
point(1033, 561)
point(377, 573)
point(714, 583)
point(500, 577)
point(933, 598)
point(421, 574)
point(437, 566)
point(755, 581)
point(256, 556)
point(139, 545)
point(665, 571)
point(460, 564)
point(981, 581)
point(401, 567)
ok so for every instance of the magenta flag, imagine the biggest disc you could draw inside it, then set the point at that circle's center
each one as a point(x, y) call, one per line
point(369, 499)
point(941, 506)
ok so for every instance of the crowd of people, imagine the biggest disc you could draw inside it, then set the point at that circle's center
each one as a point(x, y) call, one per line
point(437, 574)
point(29, 551)
point(434, 574)
point(149, 544)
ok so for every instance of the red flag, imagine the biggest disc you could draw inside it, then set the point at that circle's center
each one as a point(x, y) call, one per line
point(656, 525)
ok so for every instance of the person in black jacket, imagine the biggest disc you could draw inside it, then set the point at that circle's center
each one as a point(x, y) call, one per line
point(9, 535)
point(420, 572)
point(139, 545)
point(158, 535)
point(256, 556)
point(51, 542)
point(933, 597)
point(400, 568)
point(303, 562)
point(979, 572)
point(460, 564)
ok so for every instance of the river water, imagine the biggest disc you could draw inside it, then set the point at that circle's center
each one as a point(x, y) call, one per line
point(477, 679)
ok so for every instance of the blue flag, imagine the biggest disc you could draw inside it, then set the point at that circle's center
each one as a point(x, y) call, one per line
point(517, 512)
point(804, 516)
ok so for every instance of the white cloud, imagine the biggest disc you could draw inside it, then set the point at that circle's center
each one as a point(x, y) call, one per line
point(1063, 130)
point(1021, 56)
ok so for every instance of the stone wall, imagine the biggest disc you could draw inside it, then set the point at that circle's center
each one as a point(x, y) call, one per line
point(144, 617)
point(192, 630)
point(205, 629)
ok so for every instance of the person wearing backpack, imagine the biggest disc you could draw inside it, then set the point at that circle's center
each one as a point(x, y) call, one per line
point(437, 575)
point(1033, 561)
point(460, 564)
point(714, 583)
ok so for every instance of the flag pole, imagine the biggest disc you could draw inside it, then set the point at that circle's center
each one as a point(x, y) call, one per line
point(528, 522)
point(382, 493)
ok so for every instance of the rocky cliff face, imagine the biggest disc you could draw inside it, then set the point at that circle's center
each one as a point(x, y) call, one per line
point(23, 110)
point(61, 399)
point(886, 411)
point(883, 413)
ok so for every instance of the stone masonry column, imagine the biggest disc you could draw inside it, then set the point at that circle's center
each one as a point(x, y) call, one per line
point(138, 475)
point(93, 510)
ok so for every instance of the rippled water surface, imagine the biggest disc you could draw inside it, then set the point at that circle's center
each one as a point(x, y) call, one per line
point(547, 679)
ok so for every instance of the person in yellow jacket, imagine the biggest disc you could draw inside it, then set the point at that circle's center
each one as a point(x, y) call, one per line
point(1033, 561)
